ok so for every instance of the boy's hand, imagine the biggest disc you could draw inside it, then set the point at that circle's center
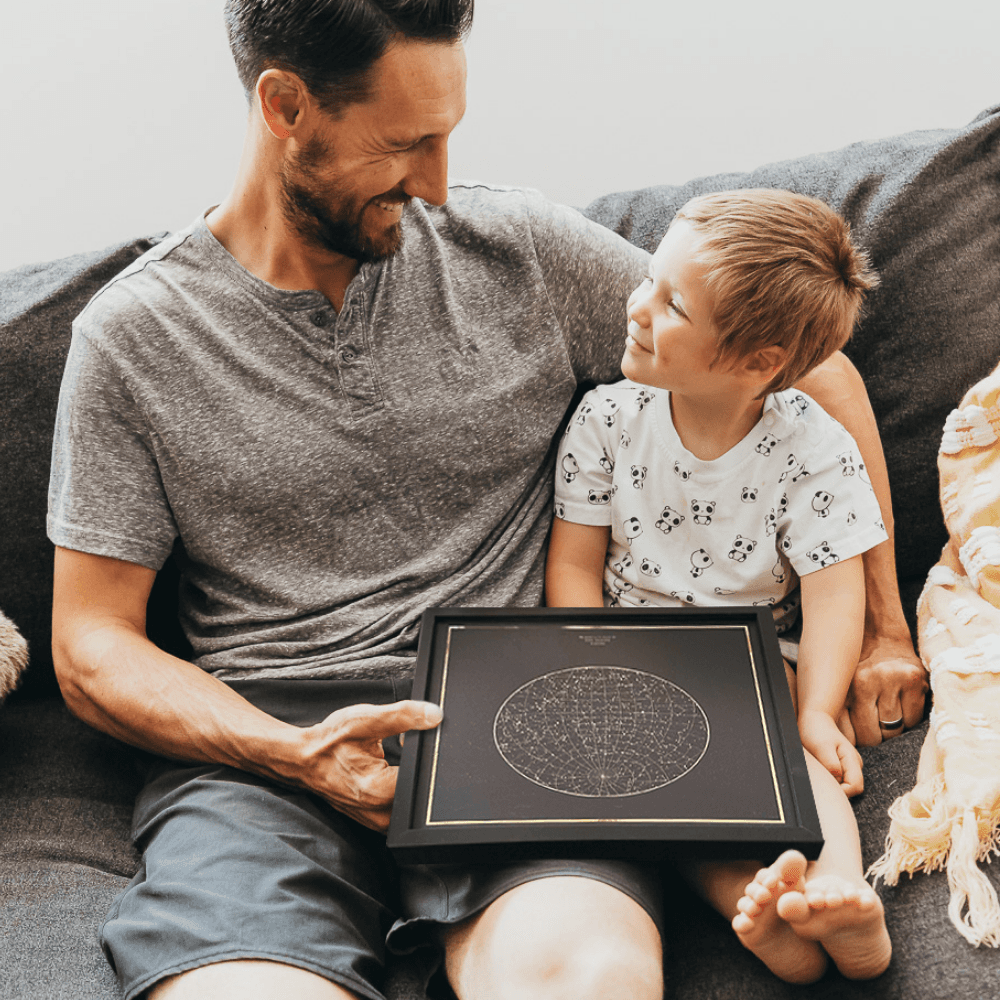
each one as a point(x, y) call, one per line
point(821, 737)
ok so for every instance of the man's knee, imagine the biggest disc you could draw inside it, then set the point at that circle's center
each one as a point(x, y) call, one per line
point(235, 980)
point(558, 937)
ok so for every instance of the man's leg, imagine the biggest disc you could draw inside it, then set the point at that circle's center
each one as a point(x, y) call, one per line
point(241, 979)
point(553, 938)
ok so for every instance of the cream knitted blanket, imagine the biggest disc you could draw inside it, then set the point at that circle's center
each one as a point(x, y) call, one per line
point(951, 819)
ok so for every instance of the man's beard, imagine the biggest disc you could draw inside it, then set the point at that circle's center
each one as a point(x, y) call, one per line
point(339, 231)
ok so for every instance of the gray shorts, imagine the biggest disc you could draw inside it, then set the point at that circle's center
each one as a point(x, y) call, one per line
point(235, 867)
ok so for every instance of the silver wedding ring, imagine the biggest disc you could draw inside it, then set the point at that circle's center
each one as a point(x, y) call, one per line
point(895, 724)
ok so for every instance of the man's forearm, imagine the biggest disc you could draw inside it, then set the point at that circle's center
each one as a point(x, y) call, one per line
point(839, 389)
point(116, 680)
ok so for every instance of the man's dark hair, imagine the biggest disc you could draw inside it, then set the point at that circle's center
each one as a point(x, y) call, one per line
point(333, 44)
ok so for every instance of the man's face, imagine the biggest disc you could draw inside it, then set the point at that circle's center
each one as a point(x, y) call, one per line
point(344, 189)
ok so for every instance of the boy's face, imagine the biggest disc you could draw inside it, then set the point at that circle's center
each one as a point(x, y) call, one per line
point(671, 339)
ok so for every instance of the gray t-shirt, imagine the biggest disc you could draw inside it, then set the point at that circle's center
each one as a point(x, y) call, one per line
point(331, 475)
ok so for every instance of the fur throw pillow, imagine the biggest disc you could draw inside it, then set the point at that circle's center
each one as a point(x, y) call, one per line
point(13, 656)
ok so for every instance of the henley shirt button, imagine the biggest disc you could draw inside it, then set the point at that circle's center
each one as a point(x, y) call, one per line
point(348, 354)
point(320, 318)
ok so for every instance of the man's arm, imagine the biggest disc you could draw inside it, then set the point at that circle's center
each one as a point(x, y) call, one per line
point(890, 681)
point(116, 680)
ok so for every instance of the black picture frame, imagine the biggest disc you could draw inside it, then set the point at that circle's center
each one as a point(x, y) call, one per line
point(642, 734)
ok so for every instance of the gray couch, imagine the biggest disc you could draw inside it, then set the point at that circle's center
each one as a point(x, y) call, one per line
point(927, 206)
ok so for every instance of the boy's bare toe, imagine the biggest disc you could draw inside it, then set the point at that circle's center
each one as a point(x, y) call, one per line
point(845, 917)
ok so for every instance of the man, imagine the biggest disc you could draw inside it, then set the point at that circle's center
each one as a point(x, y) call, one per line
point(338, 394)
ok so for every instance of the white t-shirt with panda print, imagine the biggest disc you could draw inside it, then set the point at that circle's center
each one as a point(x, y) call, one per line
point(791, 498)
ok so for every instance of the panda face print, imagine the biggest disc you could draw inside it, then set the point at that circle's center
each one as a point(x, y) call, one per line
point(771, 522)
point(703, 510)
point(700, 561)
point(742, 547)
point(782, 504)
point(609, 410)
point(632, 528)
point(799, 404)
point(599, 497)
point(822, 555)
point(778, 571)
point(793, 468)
point(749, 494)
point(821, 503)
point(785, 543)
point(649, 567)
point(669, 519)
point(607, 463)
point(625, 440)
point(585, 411)
point(560, 509)
point(766, 443)
point(621, 586)
point(852, 518)
point(638, 473)
point(846, 459)
point(623, 564)
point(679, 470)
point(570, 468)
point(644, 397)
point(683, 595)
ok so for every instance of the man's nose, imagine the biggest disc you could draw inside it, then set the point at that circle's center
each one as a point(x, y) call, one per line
point(428, 180)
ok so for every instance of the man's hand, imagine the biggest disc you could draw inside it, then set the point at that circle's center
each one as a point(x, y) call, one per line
point(345, 764)
point(889, 684)
point(821, 737)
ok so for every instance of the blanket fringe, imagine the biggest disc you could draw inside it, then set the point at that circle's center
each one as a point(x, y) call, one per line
point(970, 888)
point(919, 835)
point(927, 835)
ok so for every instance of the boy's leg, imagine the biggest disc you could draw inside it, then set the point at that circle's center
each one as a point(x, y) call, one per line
point(793, 914)
point(826, 901)
point(553, 938)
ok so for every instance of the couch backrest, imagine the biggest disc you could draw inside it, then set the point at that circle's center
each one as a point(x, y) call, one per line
point(927, 207)
point(37, 306)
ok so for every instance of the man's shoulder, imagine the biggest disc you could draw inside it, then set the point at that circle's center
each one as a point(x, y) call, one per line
point(500, 212)
point(140, 287)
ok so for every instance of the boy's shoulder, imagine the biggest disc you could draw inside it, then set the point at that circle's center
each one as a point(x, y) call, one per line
point(625, 392)
point(794, 413)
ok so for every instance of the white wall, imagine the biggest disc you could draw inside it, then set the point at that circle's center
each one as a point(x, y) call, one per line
point(125, 117)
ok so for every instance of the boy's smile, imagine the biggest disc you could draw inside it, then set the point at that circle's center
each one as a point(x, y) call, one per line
point(671, 340)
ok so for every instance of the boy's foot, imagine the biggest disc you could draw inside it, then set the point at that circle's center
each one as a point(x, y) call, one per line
point(794, 958)
point(846, 917)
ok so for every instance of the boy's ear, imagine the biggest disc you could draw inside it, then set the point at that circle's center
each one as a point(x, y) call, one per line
point(766, 361)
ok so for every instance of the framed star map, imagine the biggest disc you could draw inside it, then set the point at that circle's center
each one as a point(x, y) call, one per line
point(633, 733)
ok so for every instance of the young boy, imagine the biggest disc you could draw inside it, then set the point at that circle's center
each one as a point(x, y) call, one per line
point(704, 479)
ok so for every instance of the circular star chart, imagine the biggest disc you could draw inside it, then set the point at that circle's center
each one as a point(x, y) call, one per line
point(601, 731)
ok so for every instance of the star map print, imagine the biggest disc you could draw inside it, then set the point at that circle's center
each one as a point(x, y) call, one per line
point(601, 731)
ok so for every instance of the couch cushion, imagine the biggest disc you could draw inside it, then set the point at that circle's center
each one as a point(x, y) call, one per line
point(37, 306)
point(927, 207)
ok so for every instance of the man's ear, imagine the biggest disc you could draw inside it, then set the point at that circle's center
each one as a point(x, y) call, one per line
point(282, 99)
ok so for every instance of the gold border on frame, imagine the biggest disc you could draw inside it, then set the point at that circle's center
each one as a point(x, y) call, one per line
point(654, 819)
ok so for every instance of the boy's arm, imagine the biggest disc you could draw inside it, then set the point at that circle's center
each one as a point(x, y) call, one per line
point(574, 570)
point(889, 678)
point(833, 613)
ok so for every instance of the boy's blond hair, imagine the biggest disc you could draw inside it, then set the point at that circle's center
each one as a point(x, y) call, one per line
point(782, 270)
